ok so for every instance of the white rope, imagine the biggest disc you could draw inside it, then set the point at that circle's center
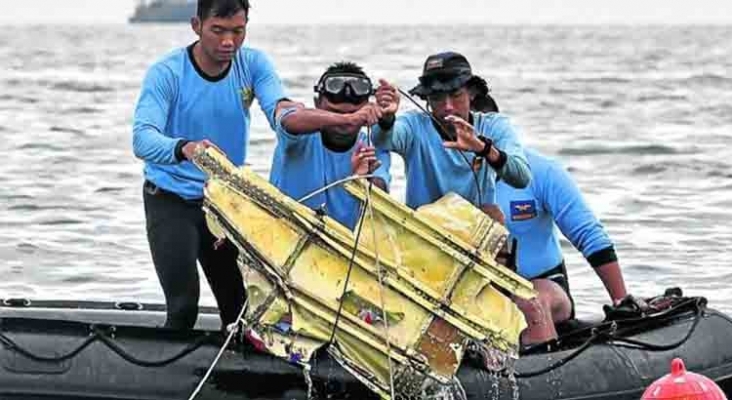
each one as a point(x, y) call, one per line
point(231, 328)
point(384, 316)
point(330, 185)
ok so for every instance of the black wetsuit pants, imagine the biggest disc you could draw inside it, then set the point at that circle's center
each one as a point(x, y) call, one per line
point(178, 237)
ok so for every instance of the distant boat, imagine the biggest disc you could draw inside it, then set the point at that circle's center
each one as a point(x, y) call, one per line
point(168, 11)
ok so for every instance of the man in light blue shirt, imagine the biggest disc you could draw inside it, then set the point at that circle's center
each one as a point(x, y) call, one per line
point(450, 149)
point(553, 200)
point(198, 95)
point(532, 215)
point(316, 147)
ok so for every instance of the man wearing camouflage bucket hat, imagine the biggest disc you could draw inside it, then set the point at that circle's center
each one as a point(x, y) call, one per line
point(450, 148)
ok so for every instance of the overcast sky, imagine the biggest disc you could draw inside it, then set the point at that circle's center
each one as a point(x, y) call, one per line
point(403, 11)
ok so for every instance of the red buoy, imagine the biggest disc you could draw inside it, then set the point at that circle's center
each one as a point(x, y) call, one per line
point(682, 385)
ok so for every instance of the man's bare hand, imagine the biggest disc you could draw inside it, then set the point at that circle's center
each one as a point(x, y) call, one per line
point(363, 160)
point(387, 97)
point(368, 115)
point(190, 148)
point(465, 137)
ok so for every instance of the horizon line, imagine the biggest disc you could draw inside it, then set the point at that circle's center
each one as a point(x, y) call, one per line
point(390, 23)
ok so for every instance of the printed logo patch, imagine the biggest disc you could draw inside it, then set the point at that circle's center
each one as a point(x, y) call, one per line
point(434, 63)
point(522, 210)
point(247, 97)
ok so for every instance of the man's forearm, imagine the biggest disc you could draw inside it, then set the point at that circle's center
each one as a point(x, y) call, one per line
point(515, 172)
point(304, 121)
point(150, 145)
point(612, 278)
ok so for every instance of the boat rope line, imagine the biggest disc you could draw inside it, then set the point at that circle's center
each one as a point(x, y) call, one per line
point(384, 316)
point(11, 345)
point(232, 328)
point(613, 337)
point(359, 227)
point(103, 337)
point(348, 275)
point(333, 184)
point(447, 132)
point(366, 209)
point(356, 240)
point(608, 331)
point(561, 361)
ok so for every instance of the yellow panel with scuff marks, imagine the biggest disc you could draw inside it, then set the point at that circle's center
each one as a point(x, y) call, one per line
point(430, 276)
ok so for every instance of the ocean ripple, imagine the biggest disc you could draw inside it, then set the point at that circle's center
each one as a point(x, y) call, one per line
point(644, 129)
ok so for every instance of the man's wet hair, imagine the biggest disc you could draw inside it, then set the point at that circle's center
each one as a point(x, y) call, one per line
point(343, 67)
point(221, 8)
point(480, 95)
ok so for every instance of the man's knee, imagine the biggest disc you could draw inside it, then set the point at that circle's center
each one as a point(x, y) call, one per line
point(535, 312)
point(553, 299)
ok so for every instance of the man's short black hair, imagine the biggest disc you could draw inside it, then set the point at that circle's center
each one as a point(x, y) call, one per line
point(339, 68)
point(221, 8)
point(343, 67)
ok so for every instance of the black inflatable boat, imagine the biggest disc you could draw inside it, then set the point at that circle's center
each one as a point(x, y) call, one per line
point(94, 350)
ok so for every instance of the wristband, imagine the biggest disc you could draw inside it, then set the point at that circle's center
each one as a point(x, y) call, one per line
point(487, 145)
point(387, 122)
point(178, 152)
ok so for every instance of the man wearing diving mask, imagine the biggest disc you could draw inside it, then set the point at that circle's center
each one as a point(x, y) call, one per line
point(450, 148)
point(316, 147)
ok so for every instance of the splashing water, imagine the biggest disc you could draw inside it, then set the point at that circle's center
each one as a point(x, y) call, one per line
point(452, 391)
point(495, 389)
point(497, 366)
point(511, 376)
point(554, 380)
point(308, 381)
point(490, 358)
point(414, 385)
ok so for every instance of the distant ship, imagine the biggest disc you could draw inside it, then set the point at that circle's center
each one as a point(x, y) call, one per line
point(164, 11)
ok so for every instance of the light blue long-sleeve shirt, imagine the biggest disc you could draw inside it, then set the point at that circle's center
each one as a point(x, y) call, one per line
point(178, 102)
point(302, 164)
point(532, 215)
point(433, 170)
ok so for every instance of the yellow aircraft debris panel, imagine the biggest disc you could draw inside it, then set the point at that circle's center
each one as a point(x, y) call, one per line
point(402, 304)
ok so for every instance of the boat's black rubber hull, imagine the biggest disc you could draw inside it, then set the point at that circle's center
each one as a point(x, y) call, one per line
point(611, 372)
point(97, 372)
